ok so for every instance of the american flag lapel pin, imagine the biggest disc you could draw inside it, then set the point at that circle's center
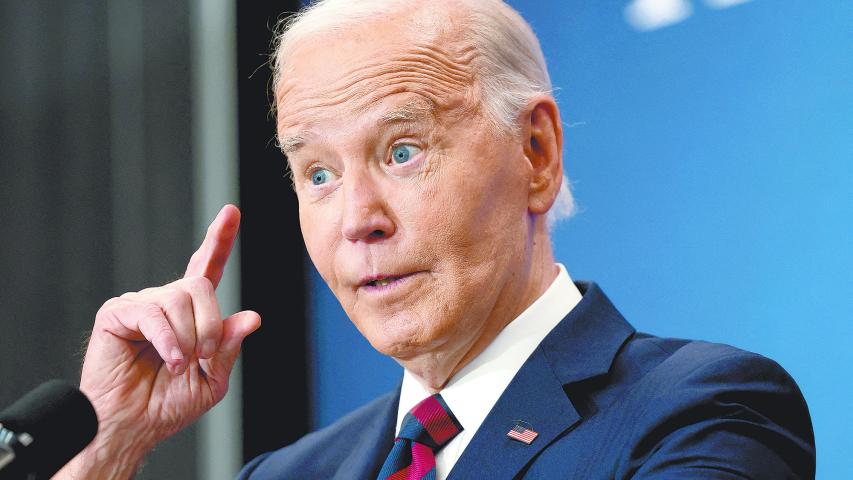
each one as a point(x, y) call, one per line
point(522, 432)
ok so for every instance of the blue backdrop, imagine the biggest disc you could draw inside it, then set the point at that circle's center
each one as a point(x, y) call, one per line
point(711, 155)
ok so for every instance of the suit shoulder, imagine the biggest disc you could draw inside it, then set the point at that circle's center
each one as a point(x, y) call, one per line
point(687, 360)
point(696, 397)
point(324, 448)
point(671, 359)
point(669, 375)
point(648, 366)
point(712, 374)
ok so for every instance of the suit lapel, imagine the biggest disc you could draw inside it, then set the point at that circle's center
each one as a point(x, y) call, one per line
point(583, 345)
point(531, 397)
point(372, 446)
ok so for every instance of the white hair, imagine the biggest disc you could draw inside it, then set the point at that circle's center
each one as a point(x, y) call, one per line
point(511, 67)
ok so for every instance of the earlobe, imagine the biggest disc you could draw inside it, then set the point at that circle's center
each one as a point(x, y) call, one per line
point(543, 148)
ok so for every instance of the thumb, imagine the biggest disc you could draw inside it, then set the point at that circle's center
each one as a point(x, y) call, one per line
point(234, 329)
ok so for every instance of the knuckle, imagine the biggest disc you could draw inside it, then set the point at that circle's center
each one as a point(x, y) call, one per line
point(157, 326)
point(176, 300)
point(151, 312)
point(199, 284)
point(108, 308)
point(163, 331)
point(148, 291)
point(112, 303)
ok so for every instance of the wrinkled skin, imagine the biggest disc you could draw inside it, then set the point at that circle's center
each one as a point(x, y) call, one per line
point(159, 358)
point(457, 229)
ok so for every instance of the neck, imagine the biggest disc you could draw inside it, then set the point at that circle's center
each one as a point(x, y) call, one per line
point(534, 275)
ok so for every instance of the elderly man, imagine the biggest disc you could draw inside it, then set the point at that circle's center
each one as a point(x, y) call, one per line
point(426, 151)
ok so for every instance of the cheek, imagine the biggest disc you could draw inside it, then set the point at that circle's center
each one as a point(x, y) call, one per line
point(319, 233)
point(479, 208)
point(478, 229)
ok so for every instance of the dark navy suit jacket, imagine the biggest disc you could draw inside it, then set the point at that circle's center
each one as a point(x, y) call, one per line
point(608, 403)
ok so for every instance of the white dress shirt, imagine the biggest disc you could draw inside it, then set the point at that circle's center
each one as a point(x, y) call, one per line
point(475, 389)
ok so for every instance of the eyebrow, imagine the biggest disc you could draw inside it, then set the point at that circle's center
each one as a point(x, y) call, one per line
point(409, 112)
point(292, 144)
point(414, 111)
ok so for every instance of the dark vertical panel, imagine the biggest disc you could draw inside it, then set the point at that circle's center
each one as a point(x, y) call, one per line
point(54, 130)
point(127, 143)
point(166, 31)
point(85, 221)
point(275, 392)
point(60, 145)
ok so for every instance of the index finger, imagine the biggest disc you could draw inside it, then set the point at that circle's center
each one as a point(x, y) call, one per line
point(210, 258)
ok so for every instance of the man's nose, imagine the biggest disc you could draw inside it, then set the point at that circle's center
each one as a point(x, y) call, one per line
point(365, 212)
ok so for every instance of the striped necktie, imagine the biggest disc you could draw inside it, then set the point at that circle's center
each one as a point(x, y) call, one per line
point(427, 427)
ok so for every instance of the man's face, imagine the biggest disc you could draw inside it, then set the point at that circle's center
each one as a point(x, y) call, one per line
point(413, 211)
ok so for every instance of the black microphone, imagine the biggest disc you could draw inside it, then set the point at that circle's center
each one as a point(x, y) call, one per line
point(43, 430)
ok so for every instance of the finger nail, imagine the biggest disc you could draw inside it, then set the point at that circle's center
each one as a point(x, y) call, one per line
point(180, 368)
point(176, 354)
point(208, 348)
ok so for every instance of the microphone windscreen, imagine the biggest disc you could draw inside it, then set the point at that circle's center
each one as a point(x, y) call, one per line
point(61, 421)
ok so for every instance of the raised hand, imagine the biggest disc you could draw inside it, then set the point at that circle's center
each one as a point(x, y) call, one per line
point(159, 358)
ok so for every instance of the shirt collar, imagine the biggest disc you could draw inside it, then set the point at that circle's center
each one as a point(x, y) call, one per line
point(475, 389)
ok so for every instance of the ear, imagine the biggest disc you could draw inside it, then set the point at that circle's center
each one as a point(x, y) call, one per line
point(543, 148)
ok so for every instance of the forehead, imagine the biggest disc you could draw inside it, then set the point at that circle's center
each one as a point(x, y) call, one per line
point(392, 63)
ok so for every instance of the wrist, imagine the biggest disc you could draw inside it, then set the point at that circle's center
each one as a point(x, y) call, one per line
point(109, 456)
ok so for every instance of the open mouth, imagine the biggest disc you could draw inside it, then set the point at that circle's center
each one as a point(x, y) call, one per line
point(384, 281)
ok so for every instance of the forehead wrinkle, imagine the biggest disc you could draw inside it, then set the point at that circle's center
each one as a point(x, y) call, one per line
point(386, 75)
point(361, 101)
point(412, 111)
point(428, 60)
point(409, 71)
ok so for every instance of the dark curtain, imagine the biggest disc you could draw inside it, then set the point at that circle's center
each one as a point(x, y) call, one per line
point(95, 179)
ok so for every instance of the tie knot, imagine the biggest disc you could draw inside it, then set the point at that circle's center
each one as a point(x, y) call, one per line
point(430, 423)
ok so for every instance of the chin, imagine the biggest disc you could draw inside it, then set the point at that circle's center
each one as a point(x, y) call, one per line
point(400, 336)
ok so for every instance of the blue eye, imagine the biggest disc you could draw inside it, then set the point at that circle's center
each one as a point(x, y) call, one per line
point(320, 177)
point(404, 153)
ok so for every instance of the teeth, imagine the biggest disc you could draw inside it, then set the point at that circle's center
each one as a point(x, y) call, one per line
point(381, 282)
